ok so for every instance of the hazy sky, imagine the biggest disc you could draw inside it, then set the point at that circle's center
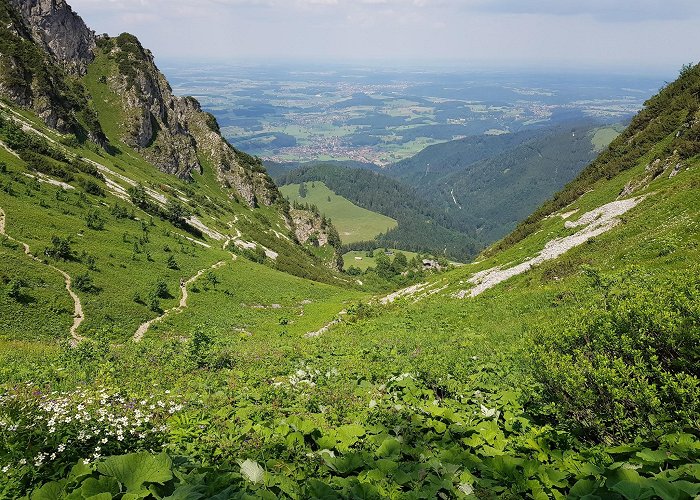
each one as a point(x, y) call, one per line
point(642, 36)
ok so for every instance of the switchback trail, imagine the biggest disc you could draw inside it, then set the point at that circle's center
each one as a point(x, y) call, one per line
point(138, 336)
point(78, 315)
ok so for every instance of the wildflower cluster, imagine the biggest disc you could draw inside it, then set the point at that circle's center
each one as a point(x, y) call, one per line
point(42, 432)
point(306, 375)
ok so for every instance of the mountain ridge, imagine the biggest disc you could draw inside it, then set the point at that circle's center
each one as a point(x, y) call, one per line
point(165, 128)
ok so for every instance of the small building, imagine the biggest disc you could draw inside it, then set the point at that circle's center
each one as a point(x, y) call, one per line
point(358, 258)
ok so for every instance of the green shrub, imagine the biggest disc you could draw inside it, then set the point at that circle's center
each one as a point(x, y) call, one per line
point(84, 283)
point(161, 290)
point(94, 220)
point(630, 366)
point(60, 248)
point(172, 263)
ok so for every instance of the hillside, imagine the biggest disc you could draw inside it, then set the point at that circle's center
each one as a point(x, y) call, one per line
point(422, 225)
point(353, 223)
point(500, 180)
point(159, 200)
point(166, 335)
point(473, 190)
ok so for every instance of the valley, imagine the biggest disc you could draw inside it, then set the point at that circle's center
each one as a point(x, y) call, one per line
point(383, 116)
point(500, 315)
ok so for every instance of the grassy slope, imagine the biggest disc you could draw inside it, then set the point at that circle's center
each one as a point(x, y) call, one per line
point(603, 136)
point(130, 254)
point(458, 349)
point(253, 300)
point(353, 223)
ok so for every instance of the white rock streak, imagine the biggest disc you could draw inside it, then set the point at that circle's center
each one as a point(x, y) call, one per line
point(596, 222)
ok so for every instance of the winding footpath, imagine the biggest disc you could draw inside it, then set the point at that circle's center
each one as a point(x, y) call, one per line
point(138, 336)
point(78, 315)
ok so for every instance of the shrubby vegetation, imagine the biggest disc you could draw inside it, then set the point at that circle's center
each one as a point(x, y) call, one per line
point(630, 366)
point(410, 435)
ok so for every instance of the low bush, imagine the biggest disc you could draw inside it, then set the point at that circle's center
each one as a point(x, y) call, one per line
point(630, 366)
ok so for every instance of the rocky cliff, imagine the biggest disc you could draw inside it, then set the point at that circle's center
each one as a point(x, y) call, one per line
point(311, 227)
point(46, 51)
point(43, 43)
point(173, 132)
point(59, 31)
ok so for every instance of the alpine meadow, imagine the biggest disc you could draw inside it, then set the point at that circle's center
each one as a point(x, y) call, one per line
point(451, 284)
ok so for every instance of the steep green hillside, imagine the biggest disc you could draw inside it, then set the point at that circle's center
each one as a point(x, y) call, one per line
point(353, 223)
point(565, 365)
point(106, 221)
point(498, 181)
point(422, 225)
point(672, 111)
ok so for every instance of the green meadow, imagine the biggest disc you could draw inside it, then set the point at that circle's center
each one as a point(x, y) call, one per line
point(353, 223)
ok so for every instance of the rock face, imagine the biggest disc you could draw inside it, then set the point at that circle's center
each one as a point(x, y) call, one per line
point(173, 132)
point(60, 32)
point(40, 40)
point(48, 48)
point(307, 225)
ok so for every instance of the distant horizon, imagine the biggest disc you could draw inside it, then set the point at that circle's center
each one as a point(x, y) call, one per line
point(645, 37)
point(455, 66)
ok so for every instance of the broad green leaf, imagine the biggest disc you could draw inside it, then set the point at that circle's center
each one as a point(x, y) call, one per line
point(137, 469)
point(438, 425)
point(346, 463)
point(653, 457)
point(354, 430)
point(348, 435)
point(186, 492)
point(303, 426)
point(327, 441)
point(79, 471)
point(50, 491)
point(616, 450)
point(100, 496)
point(691, 489)
point(628, 483)
point(92, 486)
point(252, 471)
point(556, 477)
point(666, 490)
point(389, 447)
point(294, 439)
point(136, 495)
point(386, 466)
point(583, 488)
point(316, 489)
point(401, 477)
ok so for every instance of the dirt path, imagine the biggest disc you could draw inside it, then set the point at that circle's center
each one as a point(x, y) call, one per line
point(138, 336)
point(595, 222)
point(78, 315)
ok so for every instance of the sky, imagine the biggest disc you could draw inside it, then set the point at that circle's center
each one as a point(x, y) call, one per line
point(638, 36)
